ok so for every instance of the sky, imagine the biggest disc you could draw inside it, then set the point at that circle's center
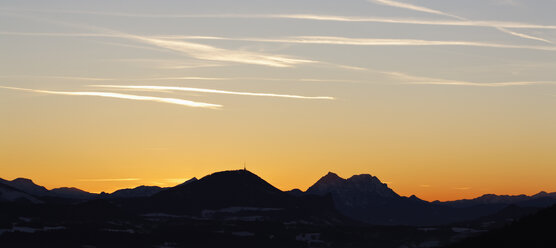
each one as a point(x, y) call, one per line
point(443, 99)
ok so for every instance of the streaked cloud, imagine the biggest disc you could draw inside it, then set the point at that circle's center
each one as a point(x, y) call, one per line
point(441, 13)
point(334, 40)
point(195, 50)
point(176, 43)
point(315, 17)
point(170, 64)
point(206, 52)
point(123, 96)
point(77, 78)
point(174, 88)
point(411, 79)
point(412, 7)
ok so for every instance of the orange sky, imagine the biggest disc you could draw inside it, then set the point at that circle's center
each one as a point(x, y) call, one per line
point(436, 100)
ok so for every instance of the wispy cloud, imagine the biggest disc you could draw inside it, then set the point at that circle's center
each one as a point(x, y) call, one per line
point(170, 64)
point(176, 43)
point(77, 78)
point(411, 79)
point(307, 16)
point(441, 13)
point(187, 78)
point(334, 40)
point(123, 96)
point(173, 88)
point(108, 179)
point(413, 7)
point(206, 52)
point(195, 50)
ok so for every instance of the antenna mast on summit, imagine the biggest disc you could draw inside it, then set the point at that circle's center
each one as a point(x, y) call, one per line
point(244, 167)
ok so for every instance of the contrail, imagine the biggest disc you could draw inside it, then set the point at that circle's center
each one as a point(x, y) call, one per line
point(276, 62)
point(437, 12)
point(150, 87)
point(124, 96)
point(333, 40)
point(307, 16)
point(206, 52)
point(413, 7)
point(411, 79)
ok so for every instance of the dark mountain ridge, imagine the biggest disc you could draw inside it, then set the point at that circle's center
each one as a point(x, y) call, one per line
point(360, 197)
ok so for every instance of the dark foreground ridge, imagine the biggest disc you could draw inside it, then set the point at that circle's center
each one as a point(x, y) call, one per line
point(239, 209)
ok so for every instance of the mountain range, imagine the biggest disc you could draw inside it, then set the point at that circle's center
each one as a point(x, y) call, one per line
point(238, 208)
point(361, 198)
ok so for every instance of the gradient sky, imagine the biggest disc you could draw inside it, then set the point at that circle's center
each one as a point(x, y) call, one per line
point(441, 99)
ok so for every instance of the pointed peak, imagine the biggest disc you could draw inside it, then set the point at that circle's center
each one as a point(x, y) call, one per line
point(332, 175)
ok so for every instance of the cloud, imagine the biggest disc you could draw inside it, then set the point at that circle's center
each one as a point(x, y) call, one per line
point(109, 179)
point(413, 7)
point(124, 96)
point(206, 52)
point(460, 20)
point(411, 79)
point(173, 88)
point(60, 77)
point(334, 40)
point(437, 12)
point(173, 42)
point(195, 50)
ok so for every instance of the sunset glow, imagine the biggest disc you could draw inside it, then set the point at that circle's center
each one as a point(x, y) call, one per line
point(440, 100)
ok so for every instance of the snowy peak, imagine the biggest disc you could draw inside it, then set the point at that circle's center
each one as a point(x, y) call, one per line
point(357, 184)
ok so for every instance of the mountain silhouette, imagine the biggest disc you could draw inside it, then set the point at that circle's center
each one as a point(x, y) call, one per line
point(11, 194)
point(365, 198)
point(141, 191)
point(27, 186)
point(541, 199)
point(353, 188)
point(72, 193)
point(238, 188)
point(237, 207)
point(360, 197)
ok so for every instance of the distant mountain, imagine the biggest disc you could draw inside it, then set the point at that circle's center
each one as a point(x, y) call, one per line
point(27, 186)
point(30, 188)
point(541, 199)
point(10, 194)
point(141, 191)
point(351, 189)
point(365, 198)
point(72, 193)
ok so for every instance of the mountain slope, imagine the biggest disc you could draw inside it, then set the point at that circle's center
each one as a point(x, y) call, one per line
point(27, 186)
point(10, 194)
